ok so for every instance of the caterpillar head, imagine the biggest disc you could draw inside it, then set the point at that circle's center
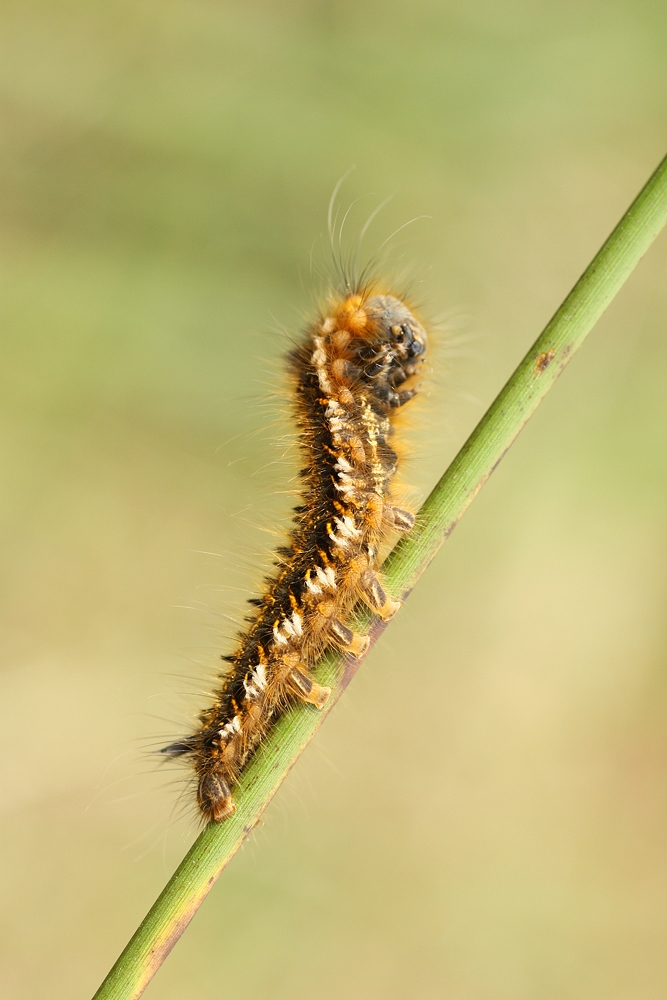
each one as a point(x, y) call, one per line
point(394, 349)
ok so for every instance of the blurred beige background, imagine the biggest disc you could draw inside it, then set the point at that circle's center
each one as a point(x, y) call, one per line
point(165, 171)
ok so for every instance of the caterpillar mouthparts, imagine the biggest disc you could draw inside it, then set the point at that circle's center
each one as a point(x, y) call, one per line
point(355, 369)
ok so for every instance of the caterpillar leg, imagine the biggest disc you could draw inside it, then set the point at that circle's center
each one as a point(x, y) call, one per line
point(349, 641)
point(215, 798)
point(309, 690)
point(401, 520)
point(375, 597)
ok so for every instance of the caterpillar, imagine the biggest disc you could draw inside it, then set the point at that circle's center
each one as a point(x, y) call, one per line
point(355, 369)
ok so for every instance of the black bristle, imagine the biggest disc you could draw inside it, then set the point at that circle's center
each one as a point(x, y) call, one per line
point(180, 747)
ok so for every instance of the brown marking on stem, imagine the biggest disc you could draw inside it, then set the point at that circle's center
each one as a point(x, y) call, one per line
point(543, 361)
point(163, 946)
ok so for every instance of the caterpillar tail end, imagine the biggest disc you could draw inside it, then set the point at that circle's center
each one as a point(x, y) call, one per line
point(215, 798)
point(224, 810)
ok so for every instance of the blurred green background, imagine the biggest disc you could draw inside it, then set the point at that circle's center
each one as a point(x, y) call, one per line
point(165, 172)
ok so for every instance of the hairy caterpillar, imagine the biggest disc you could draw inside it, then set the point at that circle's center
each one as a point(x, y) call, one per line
point(355, 369)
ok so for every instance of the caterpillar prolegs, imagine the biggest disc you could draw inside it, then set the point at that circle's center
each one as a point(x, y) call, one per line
point(354, 371)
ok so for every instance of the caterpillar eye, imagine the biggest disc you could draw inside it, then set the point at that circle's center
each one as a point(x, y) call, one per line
point(413, 345)
point(409, 345)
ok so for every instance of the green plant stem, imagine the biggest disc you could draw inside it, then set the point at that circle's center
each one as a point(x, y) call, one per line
point(479, 456)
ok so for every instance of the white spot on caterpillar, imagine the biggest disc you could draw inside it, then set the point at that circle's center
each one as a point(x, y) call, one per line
point(325, 384)
point(257, 682)
point(232, 727)
point(329, 325)
point(280, 639)
point(327, 577)
point(312, 587)
point(296, 621)
point(347, 527)
point(347, 489)
point(259, 676)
